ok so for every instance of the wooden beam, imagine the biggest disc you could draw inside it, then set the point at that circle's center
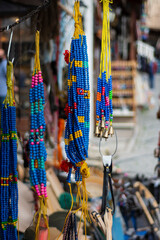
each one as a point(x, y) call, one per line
point(64, 8)
point(55, 183)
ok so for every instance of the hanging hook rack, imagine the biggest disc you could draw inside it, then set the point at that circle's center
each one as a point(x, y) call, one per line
point(46, 3)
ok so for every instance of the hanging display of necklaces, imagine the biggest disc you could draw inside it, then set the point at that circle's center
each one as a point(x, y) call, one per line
point(104, 115)
point(38, 153)
point(78, 111)
point(104, 109)
point(8, 164)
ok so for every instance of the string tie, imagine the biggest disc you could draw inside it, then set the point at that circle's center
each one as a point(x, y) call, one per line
point(84, 169)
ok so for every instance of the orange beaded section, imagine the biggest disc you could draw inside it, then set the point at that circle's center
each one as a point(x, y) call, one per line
point(98, 96)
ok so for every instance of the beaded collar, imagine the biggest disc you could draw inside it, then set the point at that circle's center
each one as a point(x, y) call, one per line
point(78, 112)
point(77, 126)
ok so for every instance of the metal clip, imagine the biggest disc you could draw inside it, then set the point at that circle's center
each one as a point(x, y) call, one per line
point(102, 156)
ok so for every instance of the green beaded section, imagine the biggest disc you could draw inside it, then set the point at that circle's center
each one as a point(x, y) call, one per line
point(32, 164)
point(5, 137)
point(4, 222)
point(85, 64)
point(86, 124)
point(13, 135)
point(110, 94)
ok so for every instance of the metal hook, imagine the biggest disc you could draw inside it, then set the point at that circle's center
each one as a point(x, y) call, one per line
point(107, 180)
point(115, 147)
point(9, 45)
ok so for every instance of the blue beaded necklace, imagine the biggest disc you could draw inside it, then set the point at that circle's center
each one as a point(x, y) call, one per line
point(104, 109)
point(77, 125)
point(8, 166)
point(38, 153)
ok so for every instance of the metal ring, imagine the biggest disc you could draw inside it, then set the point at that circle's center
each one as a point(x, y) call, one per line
point(115, 147)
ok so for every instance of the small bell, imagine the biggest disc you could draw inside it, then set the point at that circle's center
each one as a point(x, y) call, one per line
point(102, 124)
point(97, 131)
point(106, 134)
point(111, 131)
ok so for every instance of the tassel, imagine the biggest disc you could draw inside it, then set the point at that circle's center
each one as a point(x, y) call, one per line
point(41, 214)
point(85, 172)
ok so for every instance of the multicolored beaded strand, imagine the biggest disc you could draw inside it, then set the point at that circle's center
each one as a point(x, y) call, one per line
point(70, 230)
point(8, 166)
point(104, 109)
point(38, 153)
point(77, 125)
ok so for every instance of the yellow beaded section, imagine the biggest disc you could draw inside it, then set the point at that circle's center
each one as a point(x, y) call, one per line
point(4, 183)
point(5, 138)
point(78, 134)
point(86, 94)
point(69, 82)
point(74, 78)
point(78, 63)
point(71, 137)
point(66, 140)
point(81, 119)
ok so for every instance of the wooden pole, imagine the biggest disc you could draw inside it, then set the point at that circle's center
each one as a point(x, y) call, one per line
point(148, 215)
point(64, 8)
point(132, 35)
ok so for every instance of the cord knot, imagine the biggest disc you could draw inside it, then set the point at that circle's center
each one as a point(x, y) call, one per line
point(84, 169)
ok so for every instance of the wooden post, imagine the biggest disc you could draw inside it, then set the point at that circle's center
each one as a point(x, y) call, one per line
point(132, 54)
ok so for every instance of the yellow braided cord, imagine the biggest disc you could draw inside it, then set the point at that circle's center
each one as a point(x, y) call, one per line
point(37, 66)
point(78, 197)
point(85, 172)
point(78, 21)
point(10, 88)
point(109, 44)
point(41, 212)
point(45, 216)
point(105, 59)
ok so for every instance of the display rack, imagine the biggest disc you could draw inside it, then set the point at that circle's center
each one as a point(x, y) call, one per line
point(124, 104)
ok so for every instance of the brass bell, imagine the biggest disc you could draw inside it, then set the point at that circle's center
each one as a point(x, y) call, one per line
point(102, 124)
point(111, 131)
point(97, 131)
point(105, 134)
